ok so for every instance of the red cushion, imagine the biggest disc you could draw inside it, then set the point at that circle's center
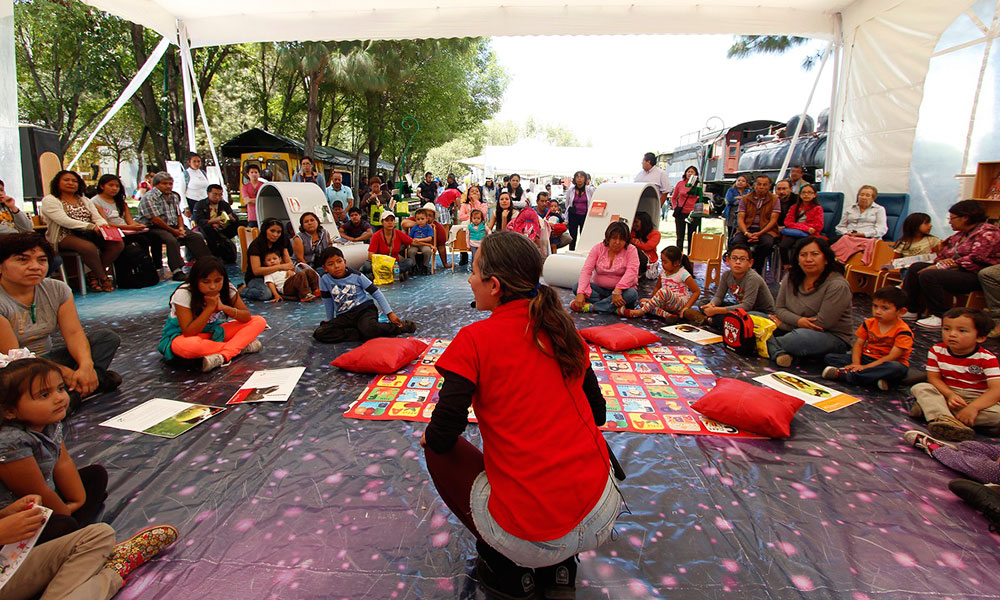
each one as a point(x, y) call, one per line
point(381, 355)
point(749, 407)
point(619, 336)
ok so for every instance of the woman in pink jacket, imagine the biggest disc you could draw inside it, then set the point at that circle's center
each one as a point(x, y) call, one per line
point(473, 201)
point(610, 274)
point(803, 219)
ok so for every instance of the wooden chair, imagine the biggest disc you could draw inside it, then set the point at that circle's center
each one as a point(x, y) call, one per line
point(971, 300)
point(458, 245)
point(868, 278)
point(246, 236)
point(706, 248)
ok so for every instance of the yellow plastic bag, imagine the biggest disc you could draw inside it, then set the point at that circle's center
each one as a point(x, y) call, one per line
point(763, 329)
point(382, 267)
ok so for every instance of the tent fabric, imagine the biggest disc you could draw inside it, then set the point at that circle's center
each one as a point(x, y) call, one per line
point(887, 46)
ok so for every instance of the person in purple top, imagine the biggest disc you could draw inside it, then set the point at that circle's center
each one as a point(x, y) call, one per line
point(577, 204)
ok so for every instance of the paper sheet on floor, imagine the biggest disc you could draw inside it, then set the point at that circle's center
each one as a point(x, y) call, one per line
point(163, 418)
point(271, 385)
point(693, 334)
point(810, 392)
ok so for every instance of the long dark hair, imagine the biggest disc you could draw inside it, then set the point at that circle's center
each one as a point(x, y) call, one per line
point(320, 230)
point(972, 210)
point(645, 223)
point(261, 244)
point(584, 179)
point(618, 229)
point(799, 202)
point(497, 225)
point(514, 260)
point(674, 254)
point(911, 227)
point(18, 378)
point(796, 276)
point(202, 268)
point(119, 197)
point(81, 186)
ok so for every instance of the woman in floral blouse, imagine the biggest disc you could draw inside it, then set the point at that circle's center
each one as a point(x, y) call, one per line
point(975, 245)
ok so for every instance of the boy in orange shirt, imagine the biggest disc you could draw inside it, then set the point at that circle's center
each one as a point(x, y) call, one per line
point(881, 353)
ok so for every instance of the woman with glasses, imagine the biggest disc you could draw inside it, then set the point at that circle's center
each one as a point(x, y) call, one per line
point(931, 287)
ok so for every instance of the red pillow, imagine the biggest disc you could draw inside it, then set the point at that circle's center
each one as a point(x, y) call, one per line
point(619, 336)
point(381, 355)
point(749, 407)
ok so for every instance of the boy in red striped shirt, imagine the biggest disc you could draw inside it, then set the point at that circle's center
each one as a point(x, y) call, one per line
point(963, 379)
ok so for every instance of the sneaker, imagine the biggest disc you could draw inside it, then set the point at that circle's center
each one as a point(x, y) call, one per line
point(932, 321)
point(947, 427)
point(558, 582)
point(984, 498)
point(884, 385)
point(911, 316)
point(407, 326)
point(500, 577)
point(831, 373)
point(916, 411)
point(695, 316)
point(784, 360)
point(212, 362)
point(137, 550)
point(919, 439)
point(111, 382)
point(252, 348)
point(179, 275)
point(994, 333)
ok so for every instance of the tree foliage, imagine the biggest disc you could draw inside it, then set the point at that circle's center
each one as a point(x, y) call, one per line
point(749, 45)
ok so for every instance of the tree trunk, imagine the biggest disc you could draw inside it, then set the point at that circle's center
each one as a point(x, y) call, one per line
point(146, 104)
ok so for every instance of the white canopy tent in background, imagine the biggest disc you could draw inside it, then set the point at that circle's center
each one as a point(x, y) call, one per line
point(533, 157)
point(882, 47)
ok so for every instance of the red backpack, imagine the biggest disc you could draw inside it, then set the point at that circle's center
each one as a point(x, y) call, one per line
point(737, 333)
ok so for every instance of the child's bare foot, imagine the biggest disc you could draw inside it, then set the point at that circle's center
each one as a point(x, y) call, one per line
point(632, 313)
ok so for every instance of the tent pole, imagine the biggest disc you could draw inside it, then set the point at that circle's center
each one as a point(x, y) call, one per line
point(128, 92)
point(183, 42)
point(186, 51)
point(10, 146)
point(990, 36)
point(802, 118)
point(838, 39)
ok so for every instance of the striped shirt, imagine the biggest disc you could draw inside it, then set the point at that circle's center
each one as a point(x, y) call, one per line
point(970, 372)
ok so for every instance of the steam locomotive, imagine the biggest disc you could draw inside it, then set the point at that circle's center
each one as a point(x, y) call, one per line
point(751, 148)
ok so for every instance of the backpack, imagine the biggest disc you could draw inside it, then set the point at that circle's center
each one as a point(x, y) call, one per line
point(737, 333)
point(134, 268)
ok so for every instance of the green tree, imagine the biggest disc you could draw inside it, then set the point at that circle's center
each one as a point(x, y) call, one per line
point(749, 45)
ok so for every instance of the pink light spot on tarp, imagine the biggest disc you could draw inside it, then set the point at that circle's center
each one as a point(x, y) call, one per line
point(723, 524)
point(373, 469)
point(904, 559)
point(731, 565)
point(787, 548)
point(438, 520)
point(440, 539)
point(335, 478)
point(803, 583)
point(187, 491)
point(244, 525)
point(669, 581)
point(952, 560)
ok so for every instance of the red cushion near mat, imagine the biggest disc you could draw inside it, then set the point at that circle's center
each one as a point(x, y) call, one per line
point(750, 407)
point(619, 336)
point(381, 355)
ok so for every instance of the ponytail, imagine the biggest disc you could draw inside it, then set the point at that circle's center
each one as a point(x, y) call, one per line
point(514, 260)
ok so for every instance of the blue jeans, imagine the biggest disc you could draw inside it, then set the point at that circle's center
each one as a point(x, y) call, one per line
point(805, 343)
point(600, 297)
point(256, 289)
point(892, 371)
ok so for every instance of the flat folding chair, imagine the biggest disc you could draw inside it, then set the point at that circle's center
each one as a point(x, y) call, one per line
point(868, 278)
point(246, 236)
point(706, 248)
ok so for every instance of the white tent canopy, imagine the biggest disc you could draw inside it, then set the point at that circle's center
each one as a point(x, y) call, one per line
point(882, 47)
point(533, 157)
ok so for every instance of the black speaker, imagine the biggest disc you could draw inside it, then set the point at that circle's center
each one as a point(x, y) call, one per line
point(36, 141)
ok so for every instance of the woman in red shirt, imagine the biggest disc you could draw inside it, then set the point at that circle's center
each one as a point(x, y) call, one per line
point(389, 242)
point(541, 491)
point(683, 203)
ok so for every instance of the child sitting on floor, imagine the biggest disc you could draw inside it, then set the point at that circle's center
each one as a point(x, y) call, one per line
point(423, 242)
point(33, 456)
point(881, 353)
point(85, 564)
point(198, 326)
point(963, 379)
point(350, 299)
point(300, 285)
point(746, 286)
point(675, 293)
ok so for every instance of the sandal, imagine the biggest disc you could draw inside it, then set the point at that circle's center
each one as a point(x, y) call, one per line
point(93, 284)
point(107, 286)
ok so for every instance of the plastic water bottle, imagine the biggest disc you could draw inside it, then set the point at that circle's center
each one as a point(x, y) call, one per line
point(395, 271)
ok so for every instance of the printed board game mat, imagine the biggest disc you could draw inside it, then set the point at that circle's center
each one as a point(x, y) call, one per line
point(647, 390)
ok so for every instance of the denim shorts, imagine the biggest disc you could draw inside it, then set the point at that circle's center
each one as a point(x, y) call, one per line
point(591, 532)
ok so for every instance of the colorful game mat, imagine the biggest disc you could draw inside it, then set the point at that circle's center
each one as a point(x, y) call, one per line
point(647, 390)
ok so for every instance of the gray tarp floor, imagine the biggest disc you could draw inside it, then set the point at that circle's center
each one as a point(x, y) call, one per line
point(293, 501)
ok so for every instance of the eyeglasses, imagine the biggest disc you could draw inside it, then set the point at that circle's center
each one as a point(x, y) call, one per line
point(739, 259)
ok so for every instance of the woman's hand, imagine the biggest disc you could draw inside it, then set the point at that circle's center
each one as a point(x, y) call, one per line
point(616, 298)
point(808, 323)
point(948, 263)
point(578, 302)
point(812, 230)
point(85, 380)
